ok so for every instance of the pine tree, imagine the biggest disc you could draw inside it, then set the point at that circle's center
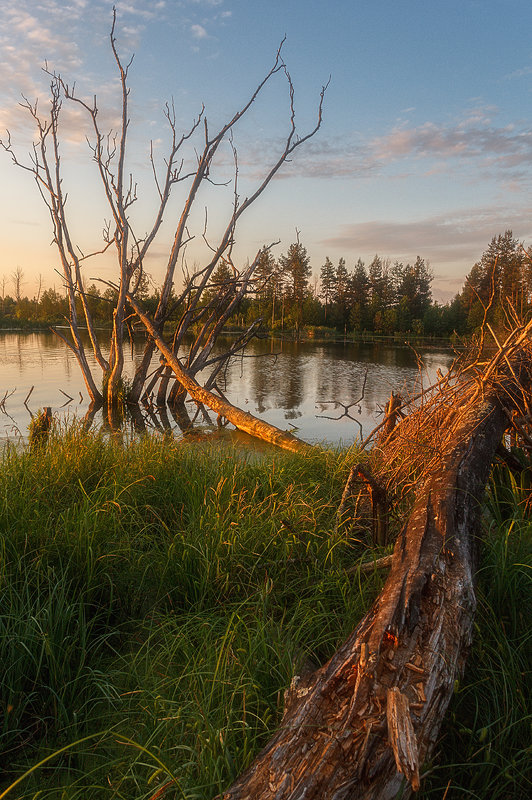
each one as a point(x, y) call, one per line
point(296, 267)
point(413, 293)
point(382, 293)
point(501, 275)
point(328, 283)
point(266, 278)
point(358, 297)
point(222, 286)
point(341, 295)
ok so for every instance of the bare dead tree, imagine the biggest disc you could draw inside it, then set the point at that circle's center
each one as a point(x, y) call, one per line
point(109, 153)
point(203, 397)
point(17, 279)
point(39, 288)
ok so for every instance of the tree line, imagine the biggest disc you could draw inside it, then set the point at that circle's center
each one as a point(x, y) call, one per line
point(384, 297)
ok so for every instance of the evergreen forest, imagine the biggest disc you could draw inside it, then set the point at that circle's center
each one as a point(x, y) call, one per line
point(290, 295)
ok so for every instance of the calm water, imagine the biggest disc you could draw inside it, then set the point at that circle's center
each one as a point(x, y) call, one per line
point(288, 384)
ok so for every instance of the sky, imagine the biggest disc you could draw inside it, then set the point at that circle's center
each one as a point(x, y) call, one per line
point(425, 146)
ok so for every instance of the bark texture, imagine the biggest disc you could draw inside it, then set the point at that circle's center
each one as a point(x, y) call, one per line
point(363, 725)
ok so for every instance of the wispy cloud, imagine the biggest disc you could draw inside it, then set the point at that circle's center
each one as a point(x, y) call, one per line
point(198, 31)
point(204, 19)
point(473, 148)
point(67, 36)
point(524, 72)
point(475, 138)
point(457, 238)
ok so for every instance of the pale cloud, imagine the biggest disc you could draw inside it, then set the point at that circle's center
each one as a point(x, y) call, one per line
point(474, 148)
point(138, 8)
point(68, 37)
point(198, 31)
point(474, 138)
point(319, 157)
point(452, 241)
point(524, 72)
point(334, 157)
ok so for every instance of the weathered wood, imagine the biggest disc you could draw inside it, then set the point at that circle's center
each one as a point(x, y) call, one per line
point(378, 500)
point(240, 419)
point(363, 725)
point(370, 566)
point(392, 414)
point(401, 735)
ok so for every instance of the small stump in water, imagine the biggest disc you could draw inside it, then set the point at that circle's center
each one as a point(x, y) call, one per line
point(40, 427)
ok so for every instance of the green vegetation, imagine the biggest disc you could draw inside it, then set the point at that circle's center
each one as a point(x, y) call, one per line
point(384, 299)
point(157, 599)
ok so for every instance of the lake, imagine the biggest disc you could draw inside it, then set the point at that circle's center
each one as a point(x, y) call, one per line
point(293, 385)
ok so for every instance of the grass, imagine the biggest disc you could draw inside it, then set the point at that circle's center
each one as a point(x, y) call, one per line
point(157, 600)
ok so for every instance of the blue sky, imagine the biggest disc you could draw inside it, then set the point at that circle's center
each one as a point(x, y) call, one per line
point(425, 147)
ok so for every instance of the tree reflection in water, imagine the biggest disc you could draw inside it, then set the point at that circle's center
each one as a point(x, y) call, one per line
point(283, 382)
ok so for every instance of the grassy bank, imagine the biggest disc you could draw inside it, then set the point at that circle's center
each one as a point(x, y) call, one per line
point(157, 600)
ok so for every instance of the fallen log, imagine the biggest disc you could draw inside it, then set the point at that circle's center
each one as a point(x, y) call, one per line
point(240, 419)
point(363, 725)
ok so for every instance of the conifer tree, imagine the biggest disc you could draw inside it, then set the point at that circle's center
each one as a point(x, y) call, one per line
point(341, 295)
point(267, 285)
point(358, 297)
point(328, 283)
point(296, 267)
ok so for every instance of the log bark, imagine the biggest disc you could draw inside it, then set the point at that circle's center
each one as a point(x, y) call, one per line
point(240, 419)
point(363, 725)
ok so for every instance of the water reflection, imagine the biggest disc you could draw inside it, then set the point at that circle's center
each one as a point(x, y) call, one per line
point(290, 384)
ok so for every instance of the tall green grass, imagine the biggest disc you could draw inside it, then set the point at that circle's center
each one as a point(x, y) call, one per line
point(156, 600)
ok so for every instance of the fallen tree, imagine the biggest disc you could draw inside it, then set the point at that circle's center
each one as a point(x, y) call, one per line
point(240, 419)
point(363, 725)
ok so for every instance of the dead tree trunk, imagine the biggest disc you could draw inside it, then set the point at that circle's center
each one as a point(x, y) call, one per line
point(363, 725)
point(392, 415)
point(240, 419)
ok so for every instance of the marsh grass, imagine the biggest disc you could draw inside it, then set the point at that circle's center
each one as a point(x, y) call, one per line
point(158, 598)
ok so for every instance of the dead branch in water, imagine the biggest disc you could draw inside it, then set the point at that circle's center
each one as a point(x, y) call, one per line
point(203, 397)
point(28, 396)
point(6, 396)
